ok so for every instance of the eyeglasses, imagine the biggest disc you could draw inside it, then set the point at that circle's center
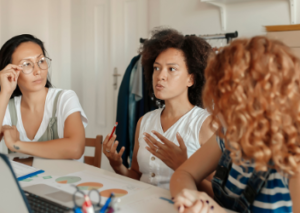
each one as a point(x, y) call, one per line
point(28, 66)
point(77, 199)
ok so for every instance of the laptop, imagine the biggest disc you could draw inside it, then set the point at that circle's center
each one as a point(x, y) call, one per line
point(35, 198)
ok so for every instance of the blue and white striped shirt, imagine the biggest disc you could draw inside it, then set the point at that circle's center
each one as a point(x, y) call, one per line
point(273, 198)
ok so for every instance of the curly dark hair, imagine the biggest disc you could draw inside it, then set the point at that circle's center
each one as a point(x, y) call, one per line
point(196, 52)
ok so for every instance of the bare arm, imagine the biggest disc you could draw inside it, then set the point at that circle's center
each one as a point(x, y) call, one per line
point(294, 186)
point(190, 173)
point(206, 132)
point(4, 99)
point(8, 82)
point(116, 160)
point(69, 147)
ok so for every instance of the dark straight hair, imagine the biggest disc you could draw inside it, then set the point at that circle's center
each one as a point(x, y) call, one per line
point(9, 48)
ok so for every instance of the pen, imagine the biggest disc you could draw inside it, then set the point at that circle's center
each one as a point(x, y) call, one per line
point(112, 132)
point(103, 209)
point(166, 199)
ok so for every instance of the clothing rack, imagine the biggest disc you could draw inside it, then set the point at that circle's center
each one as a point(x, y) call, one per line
point(227, 36)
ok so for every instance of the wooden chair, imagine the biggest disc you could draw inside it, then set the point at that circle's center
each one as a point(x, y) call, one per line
point(97, 143)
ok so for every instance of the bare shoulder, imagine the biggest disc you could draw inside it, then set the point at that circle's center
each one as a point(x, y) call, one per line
point(139, 123)
point(206, 131)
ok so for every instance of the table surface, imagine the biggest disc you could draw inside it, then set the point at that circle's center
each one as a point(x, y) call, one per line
point(137, 202)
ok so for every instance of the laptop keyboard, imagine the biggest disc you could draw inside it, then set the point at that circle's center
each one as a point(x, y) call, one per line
point(42, 205)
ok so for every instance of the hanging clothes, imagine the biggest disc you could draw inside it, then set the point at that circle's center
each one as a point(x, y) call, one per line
point(133, 102)
point(135, 95)
point(122, 112)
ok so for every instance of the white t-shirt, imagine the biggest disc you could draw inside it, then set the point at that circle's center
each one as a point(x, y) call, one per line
point(67, 104)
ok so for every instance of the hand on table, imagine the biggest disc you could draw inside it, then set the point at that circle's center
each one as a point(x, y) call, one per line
point(172, 155)
point(192, 201)
point(11, 137)
point(110, 151)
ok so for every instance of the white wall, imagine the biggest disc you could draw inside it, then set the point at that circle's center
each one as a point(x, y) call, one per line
point(195, 17)
point(36, 17)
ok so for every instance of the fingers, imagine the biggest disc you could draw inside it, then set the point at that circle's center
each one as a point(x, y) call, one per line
point(150, 144)
point(12, 74)
point(113, 148)
point(183, 201)
point(185, 198)
point(150, 139)
point(111, 141)
point(180, 141)
point(105, 140)
point(199, 207)
point(107, 144)
point(110, 148)
point(13, 66)
point(163, 139)
point(121, 151)
point(154, 152)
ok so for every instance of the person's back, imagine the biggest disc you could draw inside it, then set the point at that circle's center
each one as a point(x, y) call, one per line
point(253, 91)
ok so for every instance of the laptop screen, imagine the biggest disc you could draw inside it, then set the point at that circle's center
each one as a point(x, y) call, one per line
point(12, 198)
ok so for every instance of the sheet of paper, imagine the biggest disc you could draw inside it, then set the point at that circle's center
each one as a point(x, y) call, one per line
point(22, 169)
point(37, 179)
point(104, 184)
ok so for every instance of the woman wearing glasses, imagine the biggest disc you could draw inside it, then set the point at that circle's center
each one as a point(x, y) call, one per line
point(31, 110)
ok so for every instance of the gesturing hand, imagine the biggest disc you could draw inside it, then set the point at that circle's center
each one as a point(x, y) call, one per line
point(8, 78)
point(110, 151)
point(173, 156)
point(11, 137)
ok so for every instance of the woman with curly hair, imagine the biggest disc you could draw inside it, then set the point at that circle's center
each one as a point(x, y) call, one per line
point(174, 69)
point(253, 92)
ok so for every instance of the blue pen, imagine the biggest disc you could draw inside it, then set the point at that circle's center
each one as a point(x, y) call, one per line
point(166, 199)
point(104, 208)
point(30, 175)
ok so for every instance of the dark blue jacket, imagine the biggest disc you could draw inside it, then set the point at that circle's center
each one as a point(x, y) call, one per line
point(122, 112)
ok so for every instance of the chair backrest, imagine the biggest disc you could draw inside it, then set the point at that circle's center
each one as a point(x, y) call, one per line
point(97, 143)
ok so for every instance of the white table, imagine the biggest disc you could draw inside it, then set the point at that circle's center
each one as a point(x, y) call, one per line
point(137, 202)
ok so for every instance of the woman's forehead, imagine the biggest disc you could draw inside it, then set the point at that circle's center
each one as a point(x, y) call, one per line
point(27, 50)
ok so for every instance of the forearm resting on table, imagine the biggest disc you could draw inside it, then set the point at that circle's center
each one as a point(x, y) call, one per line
point(64, 148)
point(131, 173)
point(181, 180)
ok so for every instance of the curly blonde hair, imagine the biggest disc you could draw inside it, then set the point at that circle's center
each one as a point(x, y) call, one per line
point(253, 85)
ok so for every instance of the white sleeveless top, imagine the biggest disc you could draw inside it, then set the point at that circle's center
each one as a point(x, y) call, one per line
point(153, 170)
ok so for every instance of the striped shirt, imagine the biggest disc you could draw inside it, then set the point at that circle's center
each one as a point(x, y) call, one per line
point(273, 198)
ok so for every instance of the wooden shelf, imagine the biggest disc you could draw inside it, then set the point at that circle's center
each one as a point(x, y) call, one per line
point(222, 4)
point(277, 28)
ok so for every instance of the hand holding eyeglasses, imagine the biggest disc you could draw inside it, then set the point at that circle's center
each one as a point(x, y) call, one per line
point(9, 77)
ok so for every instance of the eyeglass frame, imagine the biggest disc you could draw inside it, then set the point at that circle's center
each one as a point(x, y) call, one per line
point(98, 204)
point(38, 65)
